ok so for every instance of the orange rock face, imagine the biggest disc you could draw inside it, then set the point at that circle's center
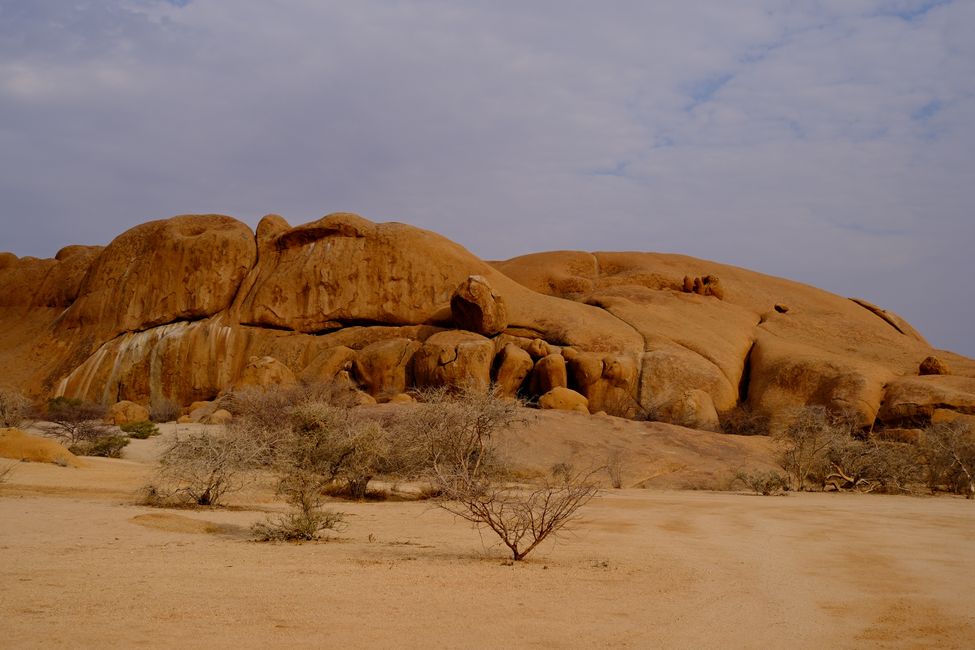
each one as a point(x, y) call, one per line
point(184, 309)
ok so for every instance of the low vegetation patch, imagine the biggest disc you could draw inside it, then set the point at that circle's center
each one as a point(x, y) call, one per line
point(140, 430)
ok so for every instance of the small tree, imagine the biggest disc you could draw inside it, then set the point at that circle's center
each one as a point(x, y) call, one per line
point(950, 452)
point(331, 444)
point(203, 467)
point(80, 426)
point(806, 441)
point(451, 437)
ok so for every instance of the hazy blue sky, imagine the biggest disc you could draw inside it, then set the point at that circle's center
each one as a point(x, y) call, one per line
point(829, 141)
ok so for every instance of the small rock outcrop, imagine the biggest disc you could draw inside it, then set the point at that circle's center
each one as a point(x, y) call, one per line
point(477, 308)
point(454, 358)
point(514, 364)
point(933, 366)
point(262, 372)
point(126, 412)
point(384, 368)
point(564, 399)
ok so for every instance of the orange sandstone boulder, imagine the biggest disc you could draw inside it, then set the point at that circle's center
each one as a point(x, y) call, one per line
point(476, 307)
point(564, 399)
point(384, 368)
point(126, 412)
point(454, 358)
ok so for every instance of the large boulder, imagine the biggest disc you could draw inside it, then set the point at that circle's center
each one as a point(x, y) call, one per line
point(384, 368)
point(179, 269)
point(126, 412)
point(477, 308)
point(693, 409)
point(264, 372)
point(454, 358)
point(329, 365)
point(513, 364)
point(564, 399)
point(549, 373)
point(910, 400)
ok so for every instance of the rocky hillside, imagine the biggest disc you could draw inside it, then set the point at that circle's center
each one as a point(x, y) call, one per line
point(183, 309)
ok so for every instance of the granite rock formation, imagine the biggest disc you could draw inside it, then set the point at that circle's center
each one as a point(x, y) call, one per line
point(184, 309)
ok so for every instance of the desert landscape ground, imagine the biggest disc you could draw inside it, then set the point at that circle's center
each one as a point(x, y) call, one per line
point(82, 565)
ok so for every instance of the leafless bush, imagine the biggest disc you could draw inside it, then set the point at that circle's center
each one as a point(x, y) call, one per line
point(521, 517)
point(14, 408)
point(80, 426)
point(764, 483)
point(871, 465)
point(164, 410)
point(328, 444)
point(807, 440)
point(949, 449)
point(449, 437)
point(743, 421)
point(614, 467)
point(203, 467)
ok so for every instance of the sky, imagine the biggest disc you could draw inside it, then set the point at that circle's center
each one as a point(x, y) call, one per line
point(826, 141)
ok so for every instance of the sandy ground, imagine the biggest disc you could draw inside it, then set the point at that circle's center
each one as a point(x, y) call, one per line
point(81, 566)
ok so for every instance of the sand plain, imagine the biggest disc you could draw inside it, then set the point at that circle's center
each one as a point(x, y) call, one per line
point(82, 566)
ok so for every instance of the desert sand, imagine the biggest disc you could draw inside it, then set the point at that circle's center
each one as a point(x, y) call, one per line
point(82, 566)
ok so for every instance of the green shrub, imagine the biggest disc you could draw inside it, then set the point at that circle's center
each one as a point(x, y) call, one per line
point(140, 430)
point(107, 445)
point(301, 525)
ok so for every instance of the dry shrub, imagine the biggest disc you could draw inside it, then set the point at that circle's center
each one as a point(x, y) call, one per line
point(872, 466)
point(743, 421)
point(15, 409)
point(164, 410)
point(764, 483)
point(949, 450)
point(328, 444)
point(806, 442)
point(80, 427)
point(449, 438)
point(200, 468)
point(614, 467)
point(302, 525)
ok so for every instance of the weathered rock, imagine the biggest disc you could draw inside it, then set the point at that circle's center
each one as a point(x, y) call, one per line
point(454, 358)
point(126, 412)
point(564, 399)
point(328, 364)
point(933, 366)
point(549, 373)
point(201, 411)
point(609, 382)
point(693, 409)
point(184, 268)
point(401, 398)
point(362, 398)
point(220, 416)
point(707, 285)
point(786, 376)
point(944, 416)
point(384, 368)
point(263, 372)
point(477, 308)
point(911, 400)
point(669, 372)
point(514, 364)
point(909, 436)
